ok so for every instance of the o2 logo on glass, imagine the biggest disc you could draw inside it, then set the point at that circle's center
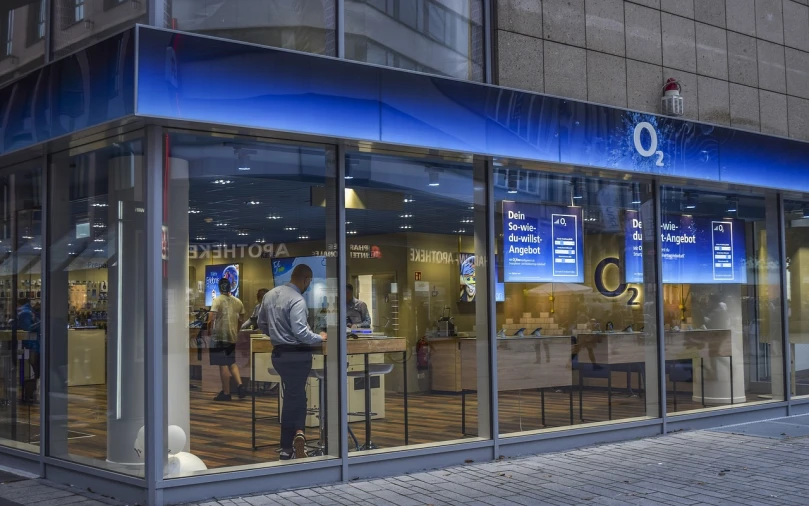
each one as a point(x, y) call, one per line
point(652, 149)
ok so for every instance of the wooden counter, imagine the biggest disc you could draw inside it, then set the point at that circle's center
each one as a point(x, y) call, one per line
point(445, 364)
point(522, 363)
point(86, 357)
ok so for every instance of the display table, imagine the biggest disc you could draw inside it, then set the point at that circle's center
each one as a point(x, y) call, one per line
point(523, 363)
point(364, 346)
point(709, 350)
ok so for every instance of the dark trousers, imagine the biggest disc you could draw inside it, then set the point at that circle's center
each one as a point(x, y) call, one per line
point(293, 365)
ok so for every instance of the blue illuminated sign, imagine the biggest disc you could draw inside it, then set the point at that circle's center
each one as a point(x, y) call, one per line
point(695, 250)
point(542, 243)
point(186, 77)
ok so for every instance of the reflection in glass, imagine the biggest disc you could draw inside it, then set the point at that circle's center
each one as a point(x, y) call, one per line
point(22, 37)
point(434, 36)
point(577, 328)
point(96, 307)
point(20, 307)
point(722, 300)
point(80, 23)
point(796, 216)
point(246, 370)
point(302, 25)
point(416, 303)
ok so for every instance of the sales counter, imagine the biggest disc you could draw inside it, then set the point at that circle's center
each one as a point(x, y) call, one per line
point(86, 356)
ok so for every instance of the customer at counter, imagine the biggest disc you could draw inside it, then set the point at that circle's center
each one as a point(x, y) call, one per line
point(283, 317)
point(252, 322)
point(226, 314)
point(357, 314)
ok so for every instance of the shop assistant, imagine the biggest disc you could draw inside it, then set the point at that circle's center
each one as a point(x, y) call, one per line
point(356, 310)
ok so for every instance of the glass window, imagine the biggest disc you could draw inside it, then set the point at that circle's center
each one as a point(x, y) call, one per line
point(80, 23)
point(20, 306)
point(796, 216)
point(416, 301)
point(96, 307)
point(78, 11)
point(441, 36)
point(250, 289)
point(575, 300)
point(10, 34)
point(302, 25)
point(21, 49)
point(722, 299)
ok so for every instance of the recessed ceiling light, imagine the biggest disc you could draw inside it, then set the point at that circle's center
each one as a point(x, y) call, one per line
point(200, 238)
point(303, 237)
point(100, 204)
point(99, 225)
point(405, 216)
point(409, 200)
point(253, 203)
point(261, 241)
point(221, 224)
point(467, 220)
point(351, 232)
point(405, 227)
point(242, 233)
point(244, 168)
point(99, 251)
point(194, 211)
point(290, 229)
point(222, 181)
point(273, 217)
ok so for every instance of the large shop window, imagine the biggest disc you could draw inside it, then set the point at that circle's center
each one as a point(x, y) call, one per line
point(20, 306)
point(416, 300)
point(796, 216)
point(575, 296)
point(250, 289)
point(722, 299)
point(302, 25)
point(435, 36)
point(96, 301)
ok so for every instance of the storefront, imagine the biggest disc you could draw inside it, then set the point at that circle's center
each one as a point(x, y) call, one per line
point(538, 273)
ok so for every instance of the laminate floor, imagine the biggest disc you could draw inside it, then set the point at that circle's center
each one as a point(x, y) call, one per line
point(221, 432)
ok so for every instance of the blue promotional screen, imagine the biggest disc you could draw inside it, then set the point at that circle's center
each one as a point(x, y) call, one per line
point(213, 273)
point(695, 249)
point(282, 273)
point(542, 243)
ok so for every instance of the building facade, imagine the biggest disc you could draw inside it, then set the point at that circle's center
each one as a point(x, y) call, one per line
point(546, 260)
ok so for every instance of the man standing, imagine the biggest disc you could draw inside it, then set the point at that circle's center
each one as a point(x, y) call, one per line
point(226, 315)
point(252, 322)
point(356, 310)
point(283, 317)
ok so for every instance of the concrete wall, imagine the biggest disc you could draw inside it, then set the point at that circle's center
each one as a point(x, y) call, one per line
point(742, 63)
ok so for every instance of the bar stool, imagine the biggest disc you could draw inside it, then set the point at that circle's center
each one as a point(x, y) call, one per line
point(370, 371)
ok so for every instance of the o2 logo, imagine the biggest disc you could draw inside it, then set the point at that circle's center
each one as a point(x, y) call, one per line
point(652, 149)
point(622, 288)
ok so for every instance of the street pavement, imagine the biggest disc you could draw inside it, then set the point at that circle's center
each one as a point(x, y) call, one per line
point(761, 463)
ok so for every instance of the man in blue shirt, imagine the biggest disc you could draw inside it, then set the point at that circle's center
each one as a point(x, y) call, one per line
point(283, 316)
point(356, 310)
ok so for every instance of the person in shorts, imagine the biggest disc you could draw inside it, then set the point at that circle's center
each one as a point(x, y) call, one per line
point(227, 313)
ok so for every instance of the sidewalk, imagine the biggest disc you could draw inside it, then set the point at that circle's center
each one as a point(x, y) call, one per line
point(756, 463)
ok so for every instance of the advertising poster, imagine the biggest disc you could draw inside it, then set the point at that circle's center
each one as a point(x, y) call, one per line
point(213, 273)
point(695, 249)
point(282, 273)
point(542, 243)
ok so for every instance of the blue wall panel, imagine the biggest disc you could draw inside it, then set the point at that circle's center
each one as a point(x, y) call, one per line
point(88, 88)
point(188, 77)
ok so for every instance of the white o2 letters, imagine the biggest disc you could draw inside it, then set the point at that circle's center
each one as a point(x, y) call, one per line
point(652, 150)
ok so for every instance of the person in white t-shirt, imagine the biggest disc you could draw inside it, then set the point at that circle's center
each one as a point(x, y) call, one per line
point(227, 313)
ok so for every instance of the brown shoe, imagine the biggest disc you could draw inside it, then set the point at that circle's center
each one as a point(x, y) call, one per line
point(299, 446)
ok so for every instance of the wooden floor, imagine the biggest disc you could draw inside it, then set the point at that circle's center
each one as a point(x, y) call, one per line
point(220, 432)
